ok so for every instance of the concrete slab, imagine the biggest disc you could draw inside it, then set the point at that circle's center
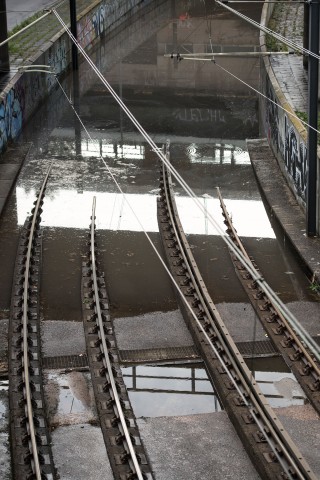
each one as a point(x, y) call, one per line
point(195, 446)
point(62, 338)
point(152, 330)
point(79, 453)
point(8, 171)
point(5, 187)
point(303, 425)
point(308, 314)
point(241, 321)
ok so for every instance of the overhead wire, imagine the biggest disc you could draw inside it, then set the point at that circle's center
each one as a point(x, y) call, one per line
point(309, 341)
point(246, 401)
point(267, 30)
point(212, 60)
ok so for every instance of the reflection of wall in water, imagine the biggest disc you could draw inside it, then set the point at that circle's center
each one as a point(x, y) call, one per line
point(146, 66)
point(169, 111)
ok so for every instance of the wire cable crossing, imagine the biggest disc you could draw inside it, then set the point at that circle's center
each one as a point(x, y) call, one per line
point(254, 273)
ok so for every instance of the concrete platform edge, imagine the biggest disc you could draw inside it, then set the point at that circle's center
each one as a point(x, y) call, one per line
point(283, 205)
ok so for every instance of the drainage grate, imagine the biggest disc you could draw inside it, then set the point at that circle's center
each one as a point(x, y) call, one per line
point(158, 354)
point(66, 361)
point(262, 348)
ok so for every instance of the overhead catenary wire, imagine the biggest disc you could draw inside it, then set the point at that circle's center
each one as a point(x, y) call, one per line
point(267, 30)
point(309, 341)
point(213, 61)
point(246, 401)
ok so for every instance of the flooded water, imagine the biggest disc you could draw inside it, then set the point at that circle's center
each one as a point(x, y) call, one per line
point(70, 398)
point(204, 112)
point(167, 390)
point(185, 389)
point(276, 382)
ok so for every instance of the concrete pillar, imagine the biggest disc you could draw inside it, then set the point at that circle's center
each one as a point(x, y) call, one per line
point(4, 52)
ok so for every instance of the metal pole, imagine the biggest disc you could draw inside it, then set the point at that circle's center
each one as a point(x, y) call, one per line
point(313, 70)
point(4, 51)
point(305, 32)
point(73, 27)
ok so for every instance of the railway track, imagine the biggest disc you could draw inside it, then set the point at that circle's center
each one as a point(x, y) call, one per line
point(267, 443)
point(269, 446)
point(30, 437)
point(121, 435)
point(296, 355)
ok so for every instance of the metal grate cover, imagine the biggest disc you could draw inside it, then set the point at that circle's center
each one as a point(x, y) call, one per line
point(158, 354)
point(262, 348)
point(65, 361)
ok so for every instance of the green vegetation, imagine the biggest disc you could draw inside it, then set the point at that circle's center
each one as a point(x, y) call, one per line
point(274, 45)
point(315, 287)
point(25, 23)
point(304, 117)
point(16, 46)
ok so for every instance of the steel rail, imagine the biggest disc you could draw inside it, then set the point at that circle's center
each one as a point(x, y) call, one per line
point(269, 422)
point(313, 345)
point(25, 358)
point(121, 416)
point(285, 325)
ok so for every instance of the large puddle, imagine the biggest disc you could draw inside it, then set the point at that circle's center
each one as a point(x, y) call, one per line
point(166, 390)
point(70, 398)
point(185, 389)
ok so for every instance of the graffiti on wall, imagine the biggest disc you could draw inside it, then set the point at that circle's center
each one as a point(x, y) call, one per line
point(11, 116)
point(98, 20)
point(287, 142)
point(57, 56)
point(199, 115)
point(23, 99)
point(92, 26)
point(295, 157)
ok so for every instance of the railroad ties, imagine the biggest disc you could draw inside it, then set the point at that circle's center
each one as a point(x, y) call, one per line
point(284, 338)
point(269, 446)
point(30, 437)
point(121, 435)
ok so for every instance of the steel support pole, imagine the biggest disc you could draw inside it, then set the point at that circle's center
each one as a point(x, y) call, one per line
point(4, 51)
point(313, 71)
point(73, 28)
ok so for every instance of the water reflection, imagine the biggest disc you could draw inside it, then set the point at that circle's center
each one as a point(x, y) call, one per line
point(276, 382)
point(166, 390)
point(69, 398)
point(69, 209)
point(185, 389)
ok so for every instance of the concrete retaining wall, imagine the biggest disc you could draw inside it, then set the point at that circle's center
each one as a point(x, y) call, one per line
point(25, 92)
point(287, 136)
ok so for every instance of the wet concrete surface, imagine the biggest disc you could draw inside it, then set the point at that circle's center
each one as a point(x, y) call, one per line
point(73, 423)
point(74, 460)
point(62, 338)
point(152, 330)
point(302, 423)
point(69, 398)
point(195, 446)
